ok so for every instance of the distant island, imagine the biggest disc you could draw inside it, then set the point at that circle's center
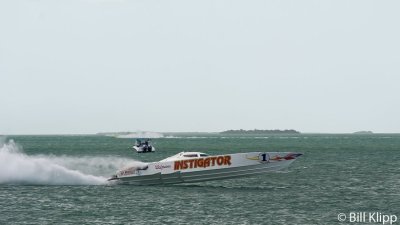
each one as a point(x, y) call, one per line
point(255, 131)
point(363, 132)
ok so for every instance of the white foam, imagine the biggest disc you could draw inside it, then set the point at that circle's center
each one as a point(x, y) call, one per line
point(18, 168)
point(141, 134)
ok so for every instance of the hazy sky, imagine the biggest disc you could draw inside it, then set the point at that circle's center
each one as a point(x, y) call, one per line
point(86, 66)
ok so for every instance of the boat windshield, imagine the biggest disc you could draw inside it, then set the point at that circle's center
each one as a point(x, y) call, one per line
point(185, 155)
point(190, 155)
point(195, 155)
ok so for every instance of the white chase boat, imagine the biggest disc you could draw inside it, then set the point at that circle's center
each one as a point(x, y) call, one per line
point(188, 167)
point(143, 146)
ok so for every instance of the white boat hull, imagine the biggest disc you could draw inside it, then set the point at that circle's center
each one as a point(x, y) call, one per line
point(207, 168)
point(143, 150)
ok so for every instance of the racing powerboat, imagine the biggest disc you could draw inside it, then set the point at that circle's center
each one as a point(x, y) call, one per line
point(187, 167)
point(143, 146)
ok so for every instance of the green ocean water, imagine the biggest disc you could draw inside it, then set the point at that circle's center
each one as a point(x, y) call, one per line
point(60, 180)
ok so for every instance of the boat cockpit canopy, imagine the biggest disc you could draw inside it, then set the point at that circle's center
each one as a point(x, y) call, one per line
point(141, 142)
point(185, 155)
point(194, 154)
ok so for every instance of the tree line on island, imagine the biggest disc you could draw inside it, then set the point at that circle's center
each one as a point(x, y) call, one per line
point(256, 131)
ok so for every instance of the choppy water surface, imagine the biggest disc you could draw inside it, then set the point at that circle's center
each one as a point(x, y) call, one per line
point(62, 180)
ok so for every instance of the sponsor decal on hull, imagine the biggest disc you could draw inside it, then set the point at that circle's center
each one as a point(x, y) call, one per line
point(289, 156)
point(202, 162)
point(265, 157)
point(160, 167)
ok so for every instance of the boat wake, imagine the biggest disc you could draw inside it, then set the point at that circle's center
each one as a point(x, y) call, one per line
point(16, 167)
point(140, 134)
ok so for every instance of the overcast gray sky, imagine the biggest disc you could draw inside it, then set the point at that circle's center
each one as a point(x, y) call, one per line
point(86, 66)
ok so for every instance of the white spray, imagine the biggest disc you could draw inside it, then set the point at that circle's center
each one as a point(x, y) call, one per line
point(19, 168)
